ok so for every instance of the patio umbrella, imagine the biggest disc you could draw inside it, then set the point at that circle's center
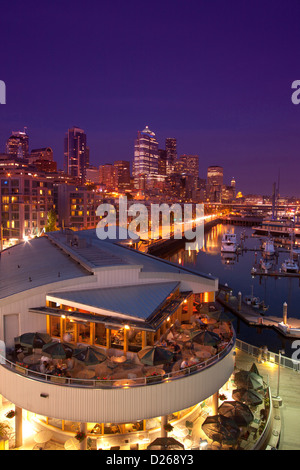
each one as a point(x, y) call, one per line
point(247, 379)
point(237, 411)
point(165, 443)
point(221, 429)
point(89, 356)
point(58, 350)
point(250, 397)
point(255, 369)
point(207, 338)
point(155, 355)
point(33, 340)
point(225, 317)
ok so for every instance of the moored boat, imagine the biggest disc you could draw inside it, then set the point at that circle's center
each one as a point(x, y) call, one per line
point(229, 243)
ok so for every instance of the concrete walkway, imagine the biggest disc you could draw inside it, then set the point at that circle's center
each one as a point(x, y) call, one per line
point(289, 391)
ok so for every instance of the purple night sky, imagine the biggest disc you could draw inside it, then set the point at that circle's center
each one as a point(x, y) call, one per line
point(216, 75)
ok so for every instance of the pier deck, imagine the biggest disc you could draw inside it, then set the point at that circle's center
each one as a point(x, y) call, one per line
point(261, 272)
point(254, 318)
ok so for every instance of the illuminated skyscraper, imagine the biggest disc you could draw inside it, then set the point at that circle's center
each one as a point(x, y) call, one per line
point(17, 146)
point(191, 164)
point(233, 185)
point(122, 172)
point(145, 155)
point(171, 150)
point(214, 183)
point(107, 176)
point(215, 176)
point(76, 153)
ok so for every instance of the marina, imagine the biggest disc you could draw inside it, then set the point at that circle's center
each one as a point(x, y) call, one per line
point(273, 287)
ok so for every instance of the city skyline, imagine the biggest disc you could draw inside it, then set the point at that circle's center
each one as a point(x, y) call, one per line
point(217, 79)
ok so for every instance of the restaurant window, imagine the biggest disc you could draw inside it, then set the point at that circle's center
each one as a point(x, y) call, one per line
point(83, 332)
point(100, 334)
point(55, 327)
point(70, 331)
point(134, 340)
point(117, 339)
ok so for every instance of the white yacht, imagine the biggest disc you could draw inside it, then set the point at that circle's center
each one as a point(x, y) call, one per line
point(268, 247)
point(290, 266)
point(229, 243)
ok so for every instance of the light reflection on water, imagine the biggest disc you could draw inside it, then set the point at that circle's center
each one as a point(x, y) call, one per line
point(235, 270)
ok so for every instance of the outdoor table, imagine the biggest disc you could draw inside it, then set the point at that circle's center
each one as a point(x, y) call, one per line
point(183, 338)
point(72, 444)
point(43, 436)
point(255, 424)
point(33, 359)
point(119, 359)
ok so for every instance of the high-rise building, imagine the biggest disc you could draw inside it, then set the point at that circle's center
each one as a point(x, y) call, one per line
point(41, 154)
point(233, 185)
point(215, 176)
point(171, 150)
point(76, 153)
point(92, 175)
point(145, 155)
point(17, 146)
point(214, 183)
point(191, 163)
point(107, 176)
point(162, 162)
point(42, 159)
point(122, 175)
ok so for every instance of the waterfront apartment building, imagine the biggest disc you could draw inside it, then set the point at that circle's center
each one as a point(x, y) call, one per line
point(145, 156)
point(76, 153)
point(26, 198)
point(76, 206)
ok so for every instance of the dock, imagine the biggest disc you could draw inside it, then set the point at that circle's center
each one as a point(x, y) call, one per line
point(252, 317)
point(261, 272)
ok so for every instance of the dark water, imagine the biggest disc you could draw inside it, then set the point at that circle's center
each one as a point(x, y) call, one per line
point(236, 273)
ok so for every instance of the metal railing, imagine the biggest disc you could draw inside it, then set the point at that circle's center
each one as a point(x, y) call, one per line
point(271, 357)
point(103, 383)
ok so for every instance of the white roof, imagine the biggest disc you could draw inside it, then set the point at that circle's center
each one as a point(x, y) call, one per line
point(33, 264)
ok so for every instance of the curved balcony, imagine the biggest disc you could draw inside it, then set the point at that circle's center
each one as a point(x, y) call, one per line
point(119, 400)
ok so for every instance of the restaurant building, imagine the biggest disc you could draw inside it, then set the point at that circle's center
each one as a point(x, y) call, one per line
point(106, 295)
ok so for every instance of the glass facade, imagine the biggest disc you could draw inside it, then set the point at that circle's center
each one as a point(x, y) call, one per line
point(145, 154)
